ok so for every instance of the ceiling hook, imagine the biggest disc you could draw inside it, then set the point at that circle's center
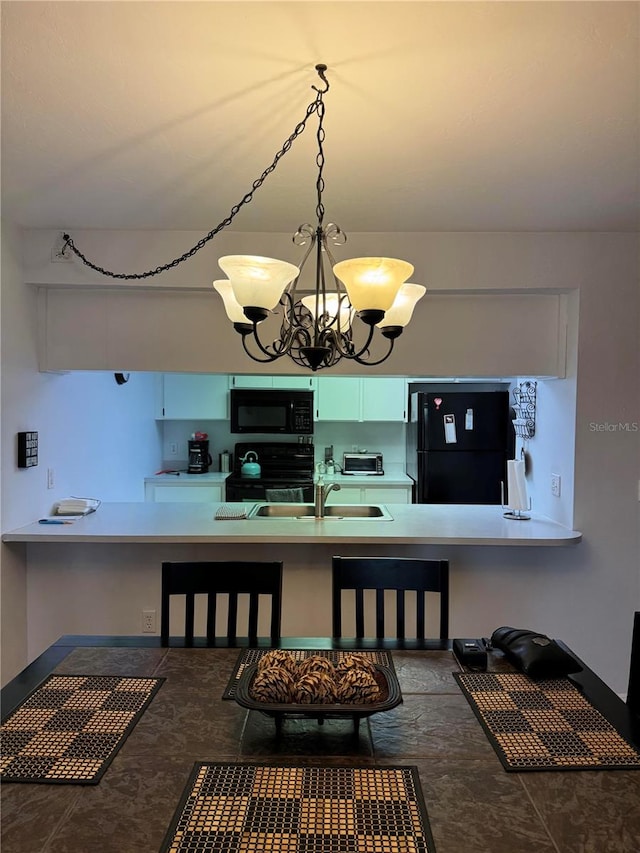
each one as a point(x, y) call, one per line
point(321, 68)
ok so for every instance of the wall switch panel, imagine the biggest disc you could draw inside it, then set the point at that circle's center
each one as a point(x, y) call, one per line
point(555, 485)
point(27, 449)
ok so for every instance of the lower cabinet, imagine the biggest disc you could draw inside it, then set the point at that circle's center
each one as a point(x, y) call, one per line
point(371, 495)
point(170, 493)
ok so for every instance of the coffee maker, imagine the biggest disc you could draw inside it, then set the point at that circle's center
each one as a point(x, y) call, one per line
point(199, 458)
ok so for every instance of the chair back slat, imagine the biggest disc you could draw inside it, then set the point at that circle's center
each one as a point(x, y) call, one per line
point(231, 579)
point(420, 615)
point(189, 618)
point(400, 628)
point(633, 691)
point(212, 610)
point(253, 615)
point(402, 574)
point(359, 613)
point(380, 615)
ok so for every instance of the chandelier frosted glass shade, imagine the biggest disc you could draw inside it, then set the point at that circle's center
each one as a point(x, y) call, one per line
point(235, 311)
point(257, 282)
point(372, 283)
point(335, 311)
point(401, 311)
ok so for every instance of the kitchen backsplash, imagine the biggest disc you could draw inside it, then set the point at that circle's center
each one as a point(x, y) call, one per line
point(386, 438)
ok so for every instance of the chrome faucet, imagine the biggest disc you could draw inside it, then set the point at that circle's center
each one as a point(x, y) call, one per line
point(321, 493)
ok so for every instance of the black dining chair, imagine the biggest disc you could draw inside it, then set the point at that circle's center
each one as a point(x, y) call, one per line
point(402, 574)
point(218, 579)
point(633, 692)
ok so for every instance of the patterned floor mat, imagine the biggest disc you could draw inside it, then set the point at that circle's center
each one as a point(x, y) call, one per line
point(544, 725)
point(255, 808)
point(71, 727)
point(249, 656)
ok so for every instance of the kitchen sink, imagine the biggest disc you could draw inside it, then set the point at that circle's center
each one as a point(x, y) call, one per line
point(333, 512)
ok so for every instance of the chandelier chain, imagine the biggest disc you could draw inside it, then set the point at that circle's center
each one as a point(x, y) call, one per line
point(320, 135)
point(316, 106)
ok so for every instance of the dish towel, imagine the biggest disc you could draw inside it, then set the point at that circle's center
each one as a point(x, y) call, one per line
point(284, 495)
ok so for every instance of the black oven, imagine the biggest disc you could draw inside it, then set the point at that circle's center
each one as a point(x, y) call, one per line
point(279, 491)
point(286, 473)
point(263, 411)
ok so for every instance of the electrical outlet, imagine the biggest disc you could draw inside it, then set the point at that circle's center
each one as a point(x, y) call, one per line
point(555, 485)
point(173, 448)
point(51, 479)
point(149, 622)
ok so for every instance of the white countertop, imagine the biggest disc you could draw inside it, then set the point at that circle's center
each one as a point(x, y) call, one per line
point(195, 523)
point(391, 478)
point(182, 478)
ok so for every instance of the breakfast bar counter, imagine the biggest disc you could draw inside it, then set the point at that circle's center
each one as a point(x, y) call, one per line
point(194, 523)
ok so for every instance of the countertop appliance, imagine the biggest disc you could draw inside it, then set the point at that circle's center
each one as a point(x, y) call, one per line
point(458, 444)
point(199, 457)
point(271, 411)
point(363, 464)
point(250, 465)
point(286, 473)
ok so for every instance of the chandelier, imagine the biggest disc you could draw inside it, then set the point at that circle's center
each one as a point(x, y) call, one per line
point(317, 329)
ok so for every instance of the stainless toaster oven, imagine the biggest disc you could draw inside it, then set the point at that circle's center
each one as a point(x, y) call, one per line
point(362, 464)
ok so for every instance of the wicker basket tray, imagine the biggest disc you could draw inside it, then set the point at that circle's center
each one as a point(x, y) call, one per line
point(387, 682)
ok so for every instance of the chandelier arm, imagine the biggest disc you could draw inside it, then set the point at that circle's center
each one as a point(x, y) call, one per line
point(254, 357)
point(316, 106)
point(281, 346)
point(368, 363)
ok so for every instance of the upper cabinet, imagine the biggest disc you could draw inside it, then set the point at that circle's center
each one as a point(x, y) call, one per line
point(361, 399)
point(338, 399)
point(193, 396)
point(384, 399)
point(304, 383)
point(203, 396)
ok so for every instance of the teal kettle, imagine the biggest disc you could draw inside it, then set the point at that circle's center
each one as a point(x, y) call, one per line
point(250, 467)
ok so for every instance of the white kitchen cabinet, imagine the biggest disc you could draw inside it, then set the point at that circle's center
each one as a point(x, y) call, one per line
point(384, 399)
point(389, 494)
point(302, 383)
point(251, 382)
point(346, 495)
point(194, 396)
point(361, 399)
point(187, 493)
point(338, 398)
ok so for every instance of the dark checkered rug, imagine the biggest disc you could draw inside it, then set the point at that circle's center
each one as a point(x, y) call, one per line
point(71, 727)
point(544, 725)
point(249, 656)
point(254, 808)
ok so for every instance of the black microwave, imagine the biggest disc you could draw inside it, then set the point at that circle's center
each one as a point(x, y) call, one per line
point(262, 411)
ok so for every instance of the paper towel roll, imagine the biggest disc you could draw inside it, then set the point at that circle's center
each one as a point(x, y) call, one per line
point(516, 485)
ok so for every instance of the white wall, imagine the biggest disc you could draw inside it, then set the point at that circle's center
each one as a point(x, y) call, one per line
point(389, 438)
point(586, 594)
point(89, 430)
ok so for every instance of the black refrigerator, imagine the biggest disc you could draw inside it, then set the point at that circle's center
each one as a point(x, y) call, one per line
point(458, 444)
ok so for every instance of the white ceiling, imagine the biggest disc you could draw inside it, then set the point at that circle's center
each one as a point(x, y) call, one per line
point(441, 116)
